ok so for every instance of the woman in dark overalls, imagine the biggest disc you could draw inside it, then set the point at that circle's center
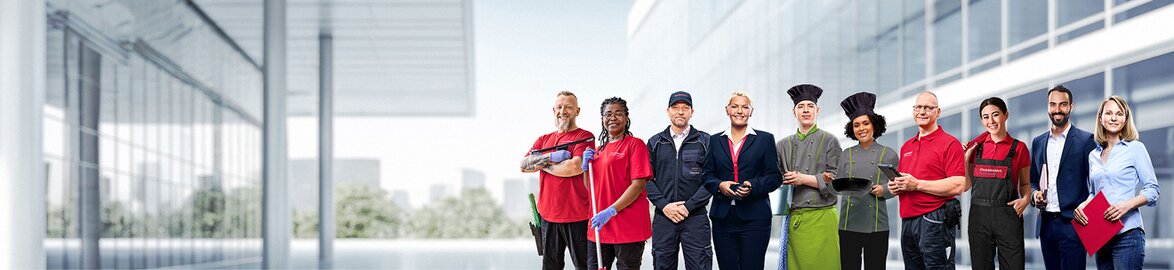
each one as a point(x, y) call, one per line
point(998, 168)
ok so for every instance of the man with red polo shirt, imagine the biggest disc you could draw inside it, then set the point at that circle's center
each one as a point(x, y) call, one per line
point(562, 199)
point(932, 173)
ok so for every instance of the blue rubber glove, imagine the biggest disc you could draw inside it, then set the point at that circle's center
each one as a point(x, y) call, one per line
point(602, 218)
point(559, 156)
point(588, 156)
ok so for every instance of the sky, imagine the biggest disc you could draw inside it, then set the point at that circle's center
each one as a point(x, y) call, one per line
point(525, 52)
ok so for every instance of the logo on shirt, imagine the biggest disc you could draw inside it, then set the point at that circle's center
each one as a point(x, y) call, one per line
point(907, 154)
point(988, 171)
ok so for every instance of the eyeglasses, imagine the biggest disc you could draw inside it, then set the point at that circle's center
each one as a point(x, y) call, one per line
point(615, 115)
point(924, 108)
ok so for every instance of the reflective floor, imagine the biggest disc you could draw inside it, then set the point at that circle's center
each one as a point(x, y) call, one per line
point(457, 254)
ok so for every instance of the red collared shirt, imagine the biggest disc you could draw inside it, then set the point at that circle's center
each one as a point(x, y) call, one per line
point(614, 168)
point(933, 157)
point(999, 150)
point(563, 199)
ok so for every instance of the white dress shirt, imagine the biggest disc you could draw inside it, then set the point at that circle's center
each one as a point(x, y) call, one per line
point(1055, 153)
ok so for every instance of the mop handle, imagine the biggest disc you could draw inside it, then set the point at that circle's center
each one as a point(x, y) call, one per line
point(598, 247)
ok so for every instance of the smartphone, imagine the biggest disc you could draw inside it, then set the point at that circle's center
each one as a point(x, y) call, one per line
point(888, 170)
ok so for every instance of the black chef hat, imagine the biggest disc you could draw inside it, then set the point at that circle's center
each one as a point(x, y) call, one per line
point(858, 104)
point(803, 92)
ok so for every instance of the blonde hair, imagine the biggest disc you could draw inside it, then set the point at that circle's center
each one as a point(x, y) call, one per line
point(737, 93)
point(1128, 130)
point(566, 93)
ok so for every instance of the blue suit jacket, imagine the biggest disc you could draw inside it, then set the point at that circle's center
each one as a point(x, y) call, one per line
point(1072, 178)
point(758, 162)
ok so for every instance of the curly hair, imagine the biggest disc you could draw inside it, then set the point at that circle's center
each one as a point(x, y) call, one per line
point(604, 137)
point(878, 127)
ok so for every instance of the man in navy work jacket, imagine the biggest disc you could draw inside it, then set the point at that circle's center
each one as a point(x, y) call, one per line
point(680, 223)
point(741, 170)
point(1060, 156)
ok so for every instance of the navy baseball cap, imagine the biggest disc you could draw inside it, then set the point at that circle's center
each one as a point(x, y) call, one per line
point(681, 96)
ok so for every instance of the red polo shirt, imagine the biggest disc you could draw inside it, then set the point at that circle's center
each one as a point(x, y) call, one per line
point(933, 157)
point(614, 169)
point(999, 151)
point(563, 199)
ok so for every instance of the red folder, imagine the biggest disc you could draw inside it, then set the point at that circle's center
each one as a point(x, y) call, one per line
point(1099, 230)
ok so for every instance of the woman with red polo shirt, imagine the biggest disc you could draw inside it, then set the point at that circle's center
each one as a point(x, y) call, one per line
point(619, 171)
point(997, 173)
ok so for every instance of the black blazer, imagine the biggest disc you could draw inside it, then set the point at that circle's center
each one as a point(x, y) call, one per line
point(758, 162)
point(1072, 178)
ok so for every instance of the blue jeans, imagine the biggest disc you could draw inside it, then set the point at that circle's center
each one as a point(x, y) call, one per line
point(1124, 251)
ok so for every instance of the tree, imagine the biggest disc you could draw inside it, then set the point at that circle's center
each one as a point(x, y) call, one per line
point(243, 220)
point(473, 215)
point(202, 215)
point(360, 212)
point(116, 220)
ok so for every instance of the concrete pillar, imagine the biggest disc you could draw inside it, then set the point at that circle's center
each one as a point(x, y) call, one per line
point(275, 207)
point(325, 148)
point(22, 95)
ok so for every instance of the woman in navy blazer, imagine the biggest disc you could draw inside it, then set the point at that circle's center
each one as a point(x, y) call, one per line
point(741, 170)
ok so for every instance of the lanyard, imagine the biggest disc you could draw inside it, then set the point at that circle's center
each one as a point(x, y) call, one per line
point(734, 152)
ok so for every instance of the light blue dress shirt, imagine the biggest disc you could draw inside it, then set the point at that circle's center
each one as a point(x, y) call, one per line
point(1128, 173)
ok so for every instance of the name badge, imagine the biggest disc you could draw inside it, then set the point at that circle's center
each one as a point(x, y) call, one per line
point(988, 171)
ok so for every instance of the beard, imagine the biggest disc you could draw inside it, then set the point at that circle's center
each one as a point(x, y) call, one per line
point(1061, 121)
point(564, 125)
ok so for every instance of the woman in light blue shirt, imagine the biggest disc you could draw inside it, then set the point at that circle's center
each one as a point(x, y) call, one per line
point(1120, 167)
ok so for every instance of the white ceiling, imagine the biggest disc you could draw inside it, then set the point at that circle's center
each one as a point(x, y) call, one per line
point(391, 57)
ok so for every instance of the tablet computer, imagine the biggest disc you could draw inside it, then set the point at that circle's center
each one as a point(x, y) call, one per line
point(888, 170)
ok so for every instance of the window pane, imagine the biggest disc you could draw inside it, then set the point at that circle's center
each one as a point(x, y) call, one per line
point(914, 41)
point(1070, 11)
point(947, 32)
point(952, 124)
point(984, 29)
point(1087, 94)
point(1026, 19)
point(1030, 114)
point(1147, 85)
point(1139, 10)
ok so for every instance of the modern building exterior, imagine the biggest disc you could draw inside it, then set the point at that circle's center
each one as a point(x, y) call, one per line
point(964, 51)
point(151, 134)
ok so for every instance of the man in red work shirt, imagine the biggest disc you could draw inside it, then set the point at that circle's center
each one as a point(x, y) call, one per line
point(562, 199)
point(932, 172)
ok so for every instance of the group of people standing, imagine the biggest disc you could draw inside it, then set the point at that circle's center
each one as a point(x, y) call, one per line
point(595, 201)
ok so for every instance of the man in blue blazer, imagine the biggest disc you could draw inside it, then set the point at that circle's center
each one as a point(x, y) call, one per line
point(741, 170)
point(1059, 182)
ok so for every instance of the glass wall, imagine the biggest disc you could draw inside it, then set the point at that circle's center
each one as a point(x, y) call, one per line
point(147, 166)
point(897, 48)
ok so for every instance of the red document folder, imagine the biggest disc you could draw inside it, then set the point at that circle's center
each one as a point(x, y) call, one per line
point(1098, 231)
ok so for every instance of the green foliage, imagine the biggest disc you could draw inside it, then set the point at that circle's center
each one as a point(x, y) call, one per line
point(360, 212)
point(58, 223)
point(243, 218)
point(473, 215)
point(202, 215)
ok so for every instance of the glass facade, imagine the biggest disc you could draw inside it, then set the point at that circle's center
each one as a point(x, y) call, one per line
point(897, 48)
point(151, 138)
